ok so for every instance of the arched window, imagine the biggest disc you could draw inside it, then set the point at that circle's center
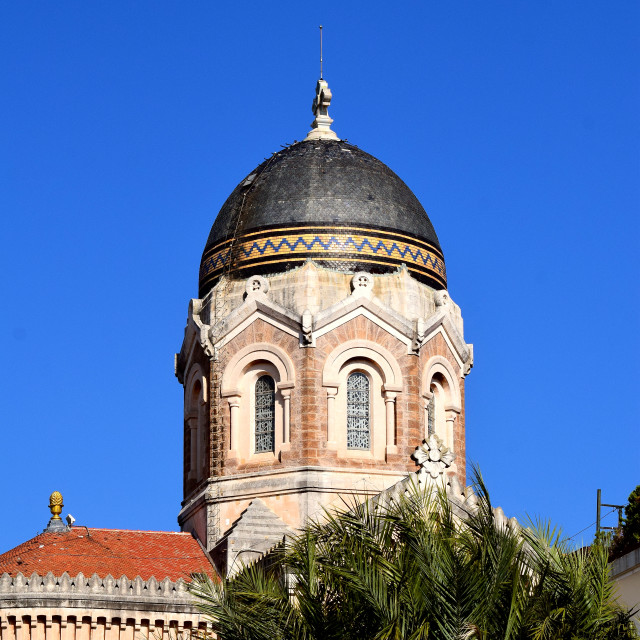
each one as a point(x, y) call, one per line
point(265, 423)
point(358, 411)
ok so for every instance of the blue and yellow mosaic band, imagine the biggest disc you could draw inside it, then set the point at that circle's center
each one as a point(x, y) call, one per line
point(379, 251)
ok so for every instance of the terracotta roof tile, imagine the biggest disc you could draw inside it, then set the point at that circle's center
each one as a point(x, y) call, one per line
point(108, 551)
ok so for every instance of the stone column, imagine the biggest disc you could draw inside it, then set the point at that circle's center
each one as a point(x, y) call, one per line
point(427, 395)
point(48, 628)
point(286, 435)
point(192, 425)
point(21, 632)
point(331, 417)
point(451, 419)
point(86, 625)
point(284, 389)
point(390, 406)
point(6, 630)
point(234, 427)
point(77, 628)
point(67, 628)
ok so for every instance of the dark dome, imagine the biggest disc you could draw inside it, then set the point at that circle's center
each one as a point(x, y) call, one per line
point(329, 201)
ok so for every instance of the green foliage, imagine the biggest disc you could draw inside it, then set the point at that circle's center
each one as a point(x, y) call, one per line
point(416, 571)
point(631, 523)
point(628, 537)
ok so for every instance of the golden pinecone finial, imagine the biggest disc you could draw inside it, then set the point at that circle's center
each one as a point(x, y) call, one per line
point(55, 505)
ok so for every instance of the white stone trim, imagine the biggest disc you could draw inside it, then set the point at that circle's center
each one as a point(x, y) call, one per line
point(441, 329)
point(196, 420)
point(238, 379)
point(367, 350)
point(372, 308)
point(384, 374)
point(449, 397)
point(257, 314)
point(253, 353)
point(439, 364)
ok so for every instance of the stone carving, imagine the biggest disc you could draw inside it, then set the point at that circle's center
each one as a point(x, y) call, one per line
point(420, 335)
point(257, 286)
point(442, 298)
point(321, 126)
point(433, 457)
point(469, 363)
point(362, 284)
point(307, 327)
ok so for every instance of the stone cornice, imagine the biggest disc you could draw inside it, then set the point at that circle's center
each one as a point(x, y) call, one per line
point(308, 326)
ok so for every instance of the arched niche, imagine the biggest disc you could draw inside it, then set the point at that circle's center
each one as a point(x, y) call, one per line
point(238, 383)
point(442, 399)
point(385, 376)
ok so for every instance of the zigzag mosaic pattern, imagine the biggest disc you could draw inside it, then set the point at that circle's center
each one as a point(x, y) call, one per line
point(325, 246)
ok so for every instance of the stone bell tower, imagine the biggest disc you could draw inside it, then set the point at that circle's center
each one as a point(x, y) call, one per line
point(323, 347)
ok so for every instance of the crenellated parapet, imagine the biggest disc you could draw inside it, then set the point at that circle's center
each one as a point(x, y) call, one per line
point(81, 589)
point(80, 607)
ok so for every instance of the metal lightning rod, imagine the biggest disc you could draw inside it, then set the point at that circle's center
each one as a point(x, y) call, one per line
point(320, 52)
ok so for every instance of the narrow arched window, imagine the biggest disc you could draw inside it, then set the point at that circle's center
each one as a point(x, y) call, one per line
point(265, 414)
point(358, 412)
point(431, 414)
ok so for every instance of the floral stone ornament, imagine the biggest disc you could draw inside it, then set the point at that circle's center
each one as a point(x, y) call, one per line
point(433, 457)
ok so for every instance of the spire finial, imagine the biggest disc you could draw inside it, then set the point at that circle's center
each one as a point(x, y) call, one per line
point(320, 52)
point(55, 506)
point(321, 126)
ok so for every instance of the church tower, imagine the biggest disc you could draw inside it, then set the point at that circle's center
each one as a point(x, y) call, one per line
point(323, 347)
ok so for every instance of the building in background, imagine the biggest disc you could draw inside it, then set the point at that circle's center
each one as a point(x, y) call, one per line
point(80, 583)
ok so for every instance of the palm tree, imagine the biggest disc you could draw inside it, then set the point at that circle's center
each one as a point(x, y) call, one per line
point(414, 569)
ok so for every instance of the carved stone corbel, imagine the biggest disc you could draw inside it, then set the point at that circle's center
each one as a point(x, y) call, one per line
point(420, 334)
point(307, 328)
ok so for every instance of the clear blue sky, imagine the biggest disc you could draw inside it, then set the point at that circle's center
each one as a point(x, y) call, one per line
point(126, 125)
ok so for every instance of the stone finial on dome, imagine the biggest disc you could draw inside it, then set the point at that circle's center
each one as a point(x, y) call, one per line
point(321, 126)
point(55, 506)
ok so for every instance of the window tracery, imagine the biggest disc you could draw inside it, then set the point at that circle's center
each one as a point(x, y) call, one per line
point(265, 414)
point(358, 411)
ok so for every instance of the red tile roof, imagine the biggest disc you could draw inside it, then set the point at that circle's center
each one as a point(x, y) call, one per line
point(108, 551)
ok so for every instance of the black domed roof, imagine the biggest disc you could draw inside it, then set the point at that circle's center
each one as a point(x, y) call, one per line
point(329, 201)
